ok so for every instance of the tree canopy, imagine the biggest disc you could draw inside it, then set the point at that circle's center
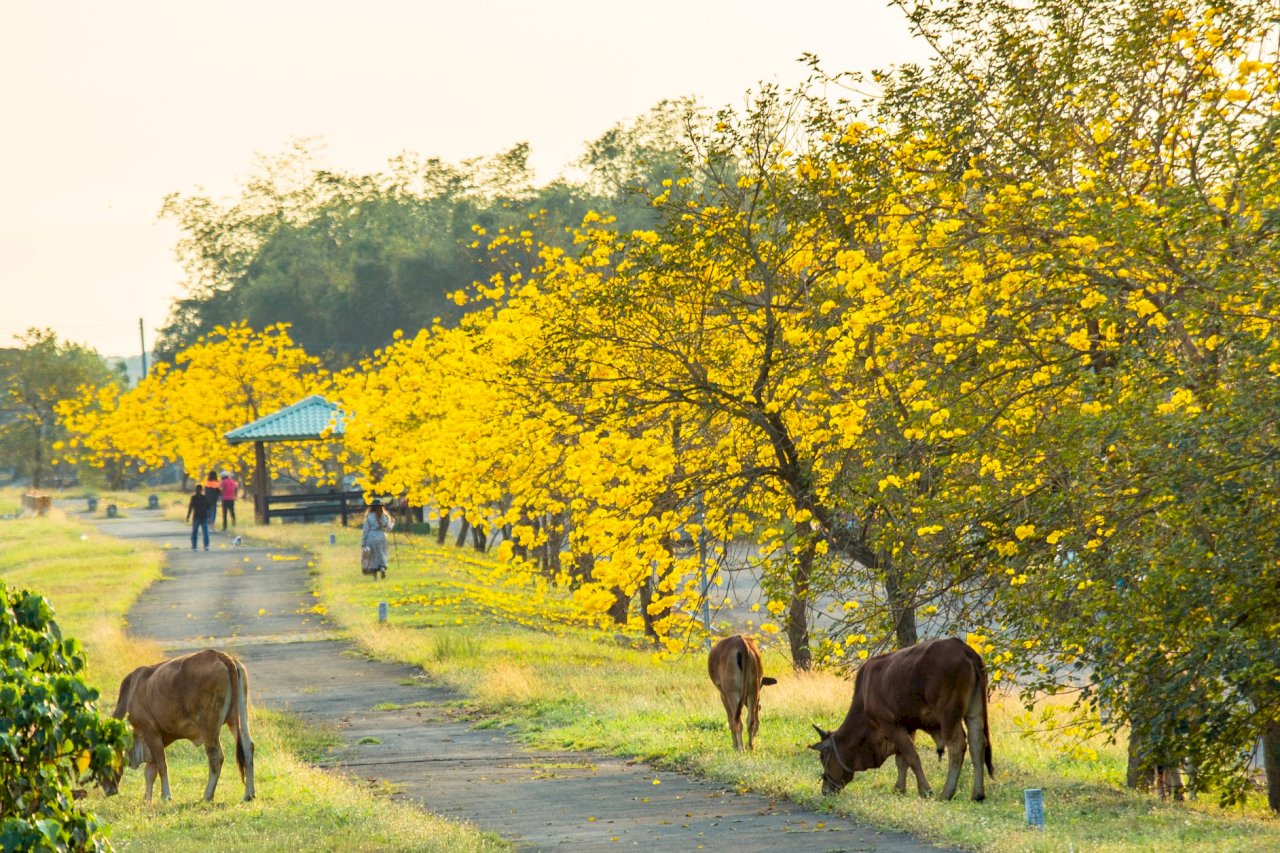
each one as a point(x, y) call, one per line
point(34, 379)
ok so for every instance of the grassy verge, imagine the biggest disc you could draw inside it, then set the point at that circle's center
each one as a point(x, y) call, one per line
point(522, 661)
point(92, 581)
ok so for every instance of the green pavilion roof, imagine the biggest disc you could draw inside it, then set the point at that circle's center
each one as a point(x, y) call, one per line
point(305, 420)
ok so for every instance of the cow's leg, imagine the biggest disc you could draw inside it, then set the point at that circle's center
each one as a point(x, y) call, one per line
point(906, 747)
point(151, 780)
point(753, 723)
point(955, 750)
point(162, 766)
point(901, 785)
point(214, 753)
point(975, 720)
point(733, 709)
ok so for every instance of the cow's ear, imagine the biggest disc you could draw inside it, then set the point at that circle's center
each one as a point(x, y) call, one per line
point(767, 681)
point(819, 745)
point(821, 733)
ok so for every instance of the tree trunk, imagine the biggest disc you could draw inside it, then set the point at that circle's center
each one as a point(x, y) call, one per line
point(539, 550)
point(584, 566)
point(479, 538)
point(1140, 773)
point(1271, 763)
point(555, 541)
point(646, 598)
point(462, 534)
point(798, 613)
point(900, 607)
point(620, 607)
point(443, 530)
point(585, 569)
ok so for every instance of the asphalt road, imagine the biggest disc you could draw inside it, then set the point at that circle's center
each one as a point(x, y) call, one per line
point(259, 610)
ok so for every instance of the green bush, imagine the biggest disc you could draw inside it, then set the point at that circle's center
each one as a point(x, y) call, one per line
point(52, 737)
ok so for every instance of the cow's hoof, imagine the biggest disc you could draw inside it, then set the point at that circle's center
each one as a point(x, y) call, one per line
point(900, 791)
point(977, 798)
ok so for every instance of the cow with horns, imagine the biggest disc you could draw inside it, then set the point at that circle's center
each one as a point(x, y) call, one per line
point(939, 687)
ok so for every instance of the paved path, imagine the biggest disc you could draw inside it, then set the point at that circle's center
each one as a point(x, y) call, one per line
point(259, 609)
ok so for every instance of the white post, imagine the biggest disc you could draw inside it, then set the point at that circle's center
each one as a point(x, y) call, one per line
point(1033, 799)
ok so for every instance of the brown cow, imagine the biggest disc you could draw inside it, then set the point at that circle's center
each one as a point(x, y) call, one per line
point(190, 697)
point(736, 671)
point(939, 687)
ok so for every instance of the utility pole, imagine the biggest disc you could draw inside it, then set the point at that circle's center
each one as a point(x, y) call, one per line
point(143, 341)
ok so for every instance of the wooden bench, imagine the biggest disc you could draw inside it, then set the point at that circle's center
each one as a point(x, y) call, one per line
point(319, 505)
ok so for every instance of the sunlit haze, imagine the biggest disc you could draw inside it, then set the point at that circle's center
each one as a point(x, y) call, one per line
point(107, 107)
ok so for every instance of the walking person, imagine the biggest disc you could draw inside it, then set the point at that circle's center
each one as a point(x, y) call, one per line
point(211, 488)
point(198, 515)
point(373, 540)
point(229, 488)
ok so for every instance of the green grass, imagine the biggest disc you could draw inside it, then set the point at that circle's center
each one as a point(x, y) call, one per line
point(566, 687)
point(92, 581)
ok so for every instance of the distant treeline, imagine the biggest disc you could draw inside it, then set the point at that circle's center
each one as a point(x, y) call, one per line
point(348, 259)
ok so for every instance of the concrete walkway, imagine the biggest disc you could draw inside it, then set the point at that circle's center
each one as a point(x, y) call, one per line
point(260, 610)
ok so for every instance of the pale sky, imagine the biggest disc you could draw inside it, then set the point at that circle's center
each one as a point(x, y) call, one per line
point(106, 107)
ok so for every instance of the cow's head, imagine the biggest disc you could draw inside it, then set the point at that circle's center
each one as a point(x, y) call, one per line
point(111, 784)
point(858, 750)
point(137, 755)
point(836, 772)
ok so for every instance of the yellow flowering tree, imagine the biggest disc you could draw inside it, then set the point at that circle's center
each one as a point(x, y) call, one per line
point(181, 411)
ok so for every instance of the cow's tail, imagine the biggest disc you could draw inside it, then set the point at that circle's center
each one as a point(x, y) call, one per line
point(747, 671)
point(986, 725)
point(244, 743)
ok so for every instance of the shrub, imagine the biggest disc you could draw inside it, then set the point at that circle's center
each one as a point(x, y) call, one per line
point(51, 734)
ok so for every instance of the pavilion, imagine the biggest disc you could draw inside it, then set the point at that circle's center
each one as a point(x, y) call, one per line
point(311, 419)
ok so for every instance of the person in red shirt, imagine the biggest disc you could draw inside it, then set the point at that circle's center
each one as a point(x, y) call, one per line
point(229, 488)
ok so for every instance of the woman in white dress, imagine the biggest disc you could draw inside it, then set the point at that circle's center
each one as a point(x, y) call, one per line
point(373, 540)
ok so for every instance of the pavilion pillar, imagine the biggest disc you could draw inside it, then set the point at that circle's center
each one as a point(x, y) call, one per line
point(261, 482)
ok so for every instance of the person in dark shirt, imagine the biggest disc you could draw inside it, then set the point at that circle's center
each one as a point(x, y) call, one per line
point(198, 515)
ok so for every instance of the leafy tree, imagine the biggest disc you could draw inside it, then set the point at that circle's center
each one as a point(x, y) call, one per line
point(34, 379)
point(51, 734)
point(1116, 170)
point(627, 165)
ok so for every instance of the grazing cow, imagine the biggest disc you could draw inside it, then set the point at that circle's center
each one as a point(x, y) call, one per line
point(734, 664)
point(938, 686)
point(190, 697)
